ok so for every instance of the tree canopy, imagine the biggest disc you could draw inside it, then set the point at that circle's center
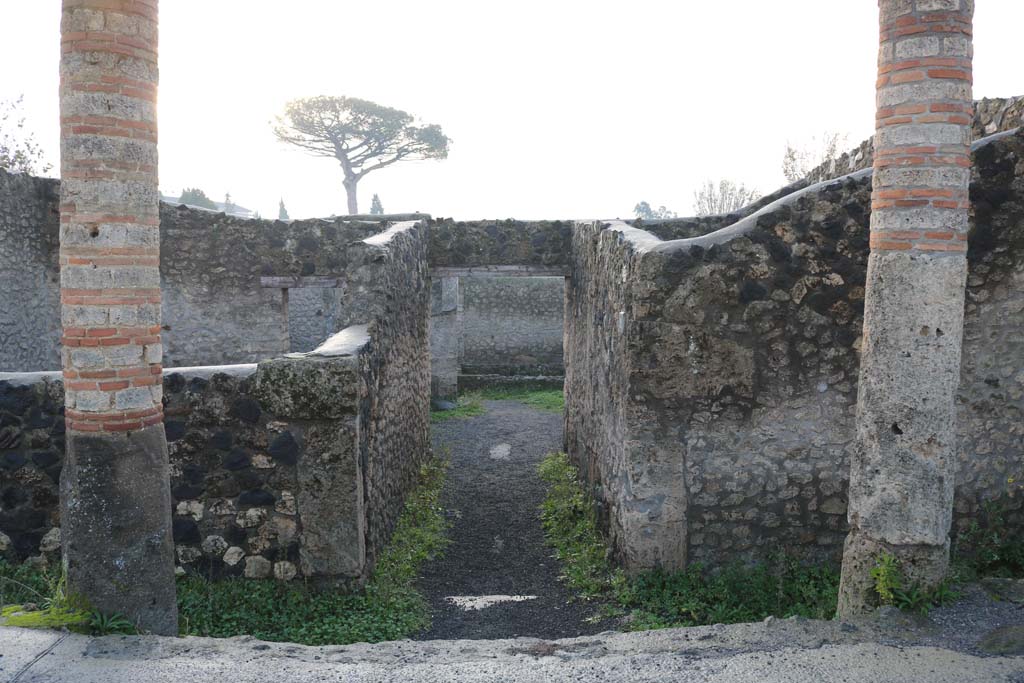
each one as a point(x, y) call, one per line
point(282, 212)
point(19, 152)
point(376, 208)
point(363, 136)
point(648, 213)
point(726, 197)
point(196, 197)
point(798, 162)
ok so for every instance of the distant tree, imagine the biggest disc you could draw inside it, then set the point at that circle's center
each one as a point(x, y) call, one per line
point(19, 152)
point(643, 210)
point(228, 205)
point(726, 197)
point(361, 135)
point(376, 208)
point(798, 162)
point(282, 213)
point(196, 197)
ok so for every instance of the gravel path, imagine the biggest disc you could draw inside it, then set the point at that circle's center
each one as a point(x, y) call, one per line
point(497, 564)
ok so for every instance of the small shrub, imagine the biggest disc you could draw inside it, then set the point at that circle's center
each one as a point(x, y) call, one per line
point(989, 546)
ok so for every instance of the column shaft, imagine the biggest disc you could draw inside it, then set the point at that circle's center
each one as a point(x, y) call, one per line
point(902, 472)
point(115, 493)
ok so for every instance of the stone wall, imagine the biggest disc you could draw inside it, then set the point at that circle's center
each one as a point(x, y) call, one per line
point(445, 338)
point(297, 466)
point(712, 381)
point(215, 309)
point(29, 276)
point(459, 244)
point(312, 316)
point(512, 326)
point(497, 301)
point(395, 400)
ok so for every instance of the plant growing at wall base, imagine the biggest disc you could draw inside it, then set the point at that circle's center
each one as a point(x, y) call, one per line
point(990, 546)
point(893, 588)
point(389, 608)
point(783, 587)
point(38, 598)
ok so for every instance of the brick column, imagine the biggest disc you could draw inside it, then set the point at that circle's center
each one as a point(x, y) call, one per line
point(901, 478)
point(115, 493)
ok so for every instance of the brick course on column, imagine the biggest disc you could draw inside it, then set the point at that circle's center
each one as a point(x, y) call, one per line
point(902, 472)
point(110, 310)
point(110, 220)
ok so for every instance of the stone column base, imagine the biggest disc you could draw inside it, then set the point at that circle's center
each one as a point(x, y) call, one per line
point(116, 526)
point(923, 565)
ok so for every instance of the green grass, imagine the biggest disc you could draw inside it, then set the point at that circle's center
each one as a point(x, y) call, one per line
point(23, 584)
point(471, 404)
point(390, 608)
point(693, 597)
point(552, 400)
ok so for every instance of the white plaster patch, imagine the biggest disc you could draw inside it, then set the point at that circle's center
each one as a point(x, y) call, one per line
point(501, 451)
point(478, 602)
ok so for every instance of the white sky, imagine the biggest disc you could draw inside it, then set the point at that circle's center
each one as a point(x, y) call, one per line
point(557, 108)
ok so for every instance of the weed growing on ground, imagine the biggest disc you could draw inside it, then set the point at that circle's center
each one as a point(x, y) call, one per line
point(468, 405)
point(389, 608)
point(693, 597)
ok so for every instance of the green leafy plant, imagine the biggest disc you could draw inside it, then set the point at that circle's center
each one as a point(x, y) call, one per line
point(990, 546)
point(106, 624)
point(888, 578)
point(893, 588)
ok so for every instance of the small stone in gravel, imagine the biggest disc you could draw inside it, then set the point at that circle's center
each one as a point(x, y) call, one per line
point(501, 451)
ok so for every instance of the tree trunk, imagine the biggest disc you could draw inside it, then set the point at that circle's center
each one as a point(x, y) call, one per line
point(350, 192)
